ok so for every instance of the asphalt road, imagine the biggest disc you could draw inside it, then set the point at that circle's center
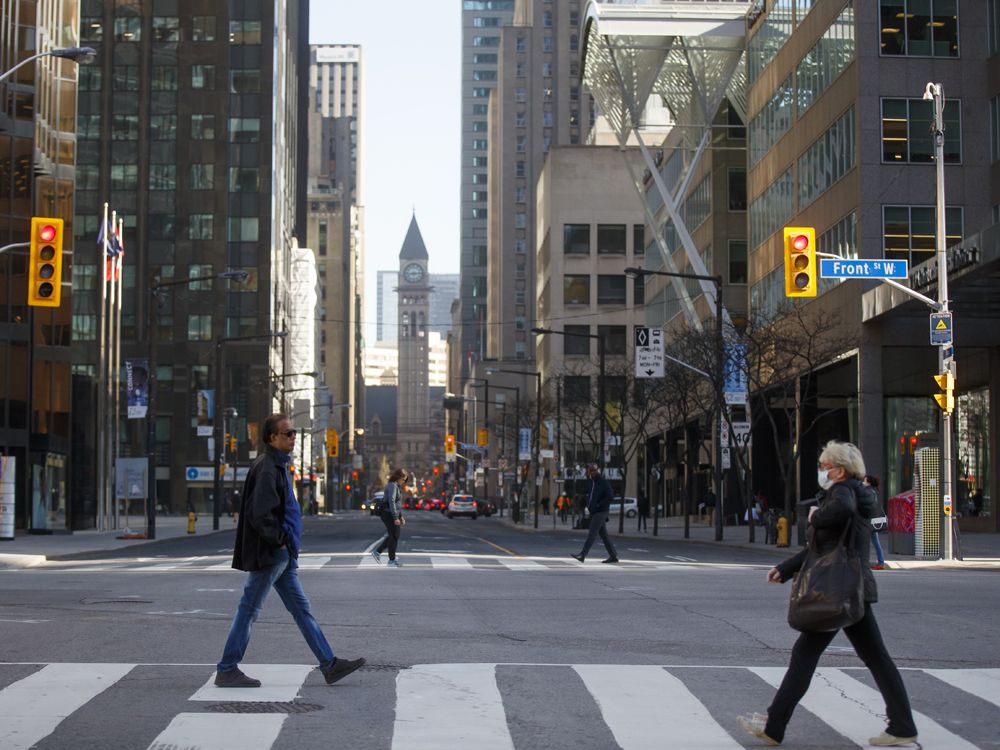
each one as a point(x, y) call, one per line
point(487, 637)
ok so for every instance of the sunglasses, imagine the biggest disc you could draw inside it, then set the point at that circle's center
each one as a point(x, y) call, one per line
point(289, 433)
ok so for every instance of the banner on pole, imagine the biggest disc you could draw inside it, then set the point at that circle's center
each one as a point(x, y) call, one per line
point(137, 387)
point(204, 403)
point(524, 444)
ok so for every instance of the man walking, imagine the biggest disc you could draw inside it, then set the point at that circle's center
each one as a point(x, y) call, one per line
point(268, 537)
point(599, 505)
point(643, 511)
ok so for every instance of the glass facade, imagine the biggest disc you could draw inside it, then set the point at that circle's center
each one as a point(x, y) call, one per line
point(823, 63)
point(698, 205)
point(827, 160)
point(906, 131)
point(908, 231)
point(925, 28)
point(770, 211)
point(772, 122)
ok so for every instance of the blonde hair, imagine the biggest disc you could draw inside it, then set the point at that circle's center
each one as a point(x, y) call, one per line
point(845, 455)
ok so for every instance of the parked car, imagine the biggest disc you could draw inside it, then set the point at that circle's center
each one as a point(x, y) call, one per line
point(631, 508)
point(463, 505)
point(486, 507)
point(372, 505)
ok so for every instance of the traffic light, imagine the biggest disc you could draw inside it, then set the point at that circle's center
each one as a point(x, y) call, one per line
point(45, 262)
point(449, 443)
point(333, 443)
point(800, 261)
point(946, 400)
point(232, 443)
point(436, 471)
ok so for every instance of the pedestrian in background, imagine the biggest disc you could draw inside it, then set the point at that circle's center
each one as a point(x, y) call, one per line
point(879, 522)
point(847, 501)
point(643, 511)
point(268, 539)
point(391, 514)
point(599, 505)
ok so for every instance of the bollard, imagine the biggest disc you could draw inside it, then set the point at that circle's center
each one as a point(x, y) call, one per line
point(192, 517)
point(783, 532)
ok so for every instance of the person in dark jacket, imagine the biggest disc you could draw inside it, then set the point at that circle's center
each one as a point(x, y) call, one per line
point(268, 539)
point(391, 514)
point(643, 511)
point(599, 505)
point(841, 469)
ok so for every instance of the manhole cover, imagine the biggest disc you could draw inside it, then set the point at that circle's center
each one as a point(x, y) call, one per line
point(264, 707)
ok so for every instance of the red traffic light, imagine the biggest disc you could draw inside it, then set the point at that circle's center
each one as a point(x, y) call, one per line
point(47, 233)
point(801, 242)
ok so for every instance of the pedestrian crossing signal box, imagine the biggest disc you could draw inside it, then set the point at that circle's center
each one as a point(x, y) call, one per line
point(45, 262)
point(800, 261)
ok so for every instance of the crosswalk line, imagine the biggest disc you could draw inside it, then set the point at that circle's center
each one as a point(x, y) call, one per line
point(519, 563)
point(450, 562)
point(192, 731)
point(33, 707)
point(368, 561)
point(984, 683)
point(449, 705)
point(668, 709)
point(849, 707)
point(314, 563)
point(278, 682)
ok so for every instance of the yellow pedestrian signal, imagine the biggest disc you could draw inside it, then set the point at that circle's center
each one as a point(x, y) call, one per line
point(332, 444)
point(800, 261)
point(482, 438)
point(946, 399)
point(45, 262)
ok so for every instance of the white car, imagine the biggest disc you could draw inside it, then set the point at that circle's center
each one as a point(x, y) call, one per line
point(631, 509)
point(462, 505)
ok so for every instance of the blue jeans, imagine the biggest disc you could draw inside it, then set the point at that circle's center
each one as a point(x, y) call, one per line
point(879, 554)
point(285, 579)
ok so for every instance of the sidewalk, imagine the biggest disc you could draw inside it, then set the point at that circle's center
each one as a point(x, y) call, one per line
point(980, 551)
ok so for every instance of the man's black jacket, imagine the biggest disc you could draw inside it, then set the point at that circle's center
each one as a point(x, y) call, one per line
point(601, 495)
point(260, 532)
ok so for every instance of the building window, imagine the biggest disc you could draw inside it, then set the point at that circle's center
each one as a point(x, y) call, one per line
point(322, 237)
point(479, 256)
point(200, 272)
point(484, 75)
point(84, 327)
point(737, 261)
point(519, 119)
point(698, 204)
point(125, 78)
point(520, 220)
point(203, 77)
point(244, 129)
point(90, 78)
point(611, 239)
point(202, 176)
point(906, 131)
point(576, 389)
point(163, 78)
point(614, 340)
point(919, 28)
point(479, 127)
point(638, 239)
point(519, 169)
point(485, 23)
point(770, 210)
point(484, 59)
point(91, 29)
point(166, 29)
point(521, 144)
point(824, 62)
point(827, 160)
point(479, 213)
point(202, 127)
point(200, 226)
point(576, 289)
point(909, 231)
point(737, 189)
point(520, 45)
point(611, 289)
point(162, 176)
point(244, 32)
point(243, 229)
point(840, 239)
point(520, 245)
point(128, 29)
point(639, 290)
point(772, 122)
point(576, 239)
point(519, 194)
point(161, 127)
point(203, 28)
point(771, 36)
point(485, 41)
point(547, 45)
point(244, 179)
point(199, 328)
point(480, 144)
point(124, 176)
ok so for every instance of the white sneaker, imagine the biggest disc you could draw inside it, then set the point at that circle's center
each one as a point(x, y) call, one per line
point(890, 740)
point(377, 556)
point(754, 724)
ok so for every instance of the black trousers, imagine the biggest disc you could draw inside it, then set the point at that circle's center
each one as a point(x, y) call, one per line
point(642, 522)
point(866, 638)
point(391, 536)
point(598, 522)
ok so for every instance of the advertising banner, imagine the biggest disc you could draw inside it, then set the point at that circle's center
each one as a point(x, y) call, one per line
point(137, 387)
point(204, 409)
point(524, 444)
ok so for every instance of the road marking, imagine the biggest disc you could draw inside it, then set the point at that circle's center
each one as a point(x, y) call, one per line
point(984, 683)
point(636, 549)
point(376, 543)
point(220, 732)
point(228, 565)
point(496, 546)
point(172, 565)
point(230, 590)
point(26, 622)
point(449, 705)
point(368, 562)
point(679, 558)
point(440, 551)
point(313, 563)
point(668, 709)
point(278, 682)
point(32, 708)
point(518, 563)
point(184, 612)
point(851, 708)
point(450, 562)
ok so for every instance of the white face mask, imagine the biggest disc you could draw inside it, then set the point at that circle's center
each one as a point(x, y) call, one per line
point(823, 477)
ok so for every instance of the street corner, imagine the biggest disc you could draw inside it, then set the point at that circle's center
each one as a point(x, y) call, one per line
point(972, 563)
point(10, 561)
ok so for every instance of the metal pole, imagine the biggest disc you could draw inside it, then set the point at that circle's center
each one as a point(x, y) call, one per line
point(217, 435)
point(944, 365)
point(601, 399)
point(719, 363)
point(538, 436)
point(151, 341)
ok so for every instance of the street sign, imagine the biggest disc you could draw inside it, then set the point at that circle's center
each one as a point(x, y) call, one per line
point(941, 329)
point(726, 462)
point(845, 268)
point(648, 352)
point(740, 435)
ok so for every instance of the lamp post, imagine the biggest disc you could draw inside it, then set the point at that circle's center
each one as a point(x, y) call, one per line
point(77, 54)
point(538, 421)
point(155, 290)
point(217, 421)
point(720, 355)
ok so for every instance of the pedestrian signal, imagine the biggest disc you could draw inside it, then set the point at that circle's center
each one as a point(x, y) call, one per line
point(332, 443)
point(45, 262)
point(800, 261)
point(945, 399)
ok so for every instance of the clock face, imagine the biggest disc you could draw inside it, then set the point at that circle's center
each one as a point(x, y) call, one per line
point(413, 273)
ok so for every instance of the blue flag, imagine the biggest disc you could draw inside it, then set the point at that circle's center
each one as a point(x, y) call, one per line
point(113, 246)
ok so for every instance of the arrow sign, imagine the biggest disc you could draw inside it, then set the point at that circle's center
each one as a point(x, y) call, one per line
point(649, 356)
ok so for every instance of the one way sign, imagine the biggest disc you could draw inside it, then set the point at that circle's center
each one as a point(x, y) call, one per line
point(648, 352)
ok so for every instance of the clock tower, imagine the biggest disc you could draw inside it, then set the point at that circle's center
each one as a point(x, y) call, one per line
point(413, 428)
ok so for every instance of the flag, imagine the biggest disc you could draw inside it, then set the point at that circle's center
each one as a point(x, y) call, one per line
point(107, 232)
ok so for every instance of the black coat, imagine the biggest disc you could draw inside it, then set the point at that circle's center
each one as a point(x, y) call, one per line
point(601, 495)
point(835, 510)
point(260, 532)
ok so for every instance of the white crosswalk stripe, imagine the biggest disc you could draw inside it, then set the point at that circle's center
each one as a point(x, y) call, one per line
point(444, 706)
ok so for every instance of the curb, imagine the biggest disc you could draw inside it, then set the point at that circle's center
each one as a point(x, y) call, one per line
point(11, 560)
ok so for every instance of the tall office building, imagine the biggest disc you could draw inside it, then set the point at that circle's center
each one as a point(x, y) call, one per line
point(190, 125)
point(482, 21)
point(336, 225)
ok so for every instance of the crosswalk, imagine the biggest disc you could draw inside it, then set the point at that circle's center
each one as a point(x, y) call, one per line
point(488, 706)
point(353, 561)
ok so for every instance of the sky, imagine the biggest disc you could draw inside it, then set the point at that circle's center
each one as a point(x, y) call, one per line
point(412, 60)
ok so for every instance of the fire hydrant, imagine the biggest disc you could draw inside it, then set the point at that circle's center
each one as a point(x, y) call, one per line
point(783, 532)
point(192, 518)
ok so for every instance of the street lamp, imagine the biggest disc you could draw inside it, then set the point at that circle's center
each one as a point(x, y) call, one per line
point(538, 421)
point(216, 421)
point(720, 355)
point(77, 54)
point(155, 290)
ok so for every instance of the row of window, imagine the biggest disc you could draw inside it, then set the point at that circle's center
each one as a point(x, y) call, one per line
point(164, 127)
point(611, 239)
point(610, 289)
point(168, 29)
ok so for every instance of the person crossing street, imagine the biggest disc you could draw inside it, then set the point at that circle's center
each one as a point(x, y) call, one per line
point(599, 505)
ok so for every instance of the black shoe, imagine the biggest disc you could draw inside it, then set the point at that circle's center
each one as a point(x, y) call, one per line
point(610, 560)
point(578, 557)
point(341, 668)
point(234, 678)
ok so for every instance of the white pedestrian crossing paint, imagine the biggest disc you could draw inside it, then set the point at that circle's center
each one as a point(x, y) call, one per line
point(278, 682)
point(667, 708)
point(369, 562)
point(450, 562)
point(191, 731)
point(449, 706)
point(856, 711)
point(520, 563)
point(984, 683)
point(314, 563)
point(32, 708)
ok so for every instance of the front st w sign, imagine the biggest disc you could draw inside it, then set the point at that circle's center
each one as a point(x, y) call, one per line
point(648, 352)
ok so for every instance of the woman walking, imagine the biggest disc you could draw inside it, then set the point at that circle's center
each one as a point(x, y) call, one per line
point(880, 515)
point(392, 516)
point(847, 500)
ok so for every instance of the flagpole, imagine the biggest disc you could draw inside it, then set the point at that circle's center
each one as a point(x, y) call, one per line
point(119, 262)
point(109, 412)
point(102, 509)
